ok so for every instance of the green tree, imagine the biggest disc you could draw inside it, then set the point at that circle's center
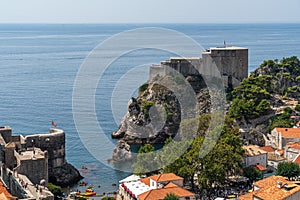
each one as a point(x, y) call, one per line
point(282, 120)
point(56, 190)
point(146, 163)
point(288, 169)
point(297, 108)
point(224, 160)
point(251, 98)
point(252, 174)
point(171, 196)
point(215, 166)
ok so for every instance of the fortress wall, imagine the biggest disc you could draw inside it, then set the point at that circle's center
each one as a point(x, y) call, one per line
point(187, 67)
point(210, 66)
point(242, 68)
point(15, 138)
point(34, 169)
point(230, 61)
point(54, 143)
point(156, 70)
point(10, 160)
point(6, 133)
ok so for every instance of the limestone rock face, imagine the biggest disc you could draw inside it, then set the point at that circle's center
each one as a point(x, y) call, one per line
point(156, 113)
point(122, 152)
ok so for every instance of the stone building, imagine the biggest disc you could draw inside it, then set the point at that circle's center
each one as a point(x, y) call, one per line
point(292, 152)
point(39, 154)
point(52, 142)
point(254, 156)
point(232, 63)
point(279, 137)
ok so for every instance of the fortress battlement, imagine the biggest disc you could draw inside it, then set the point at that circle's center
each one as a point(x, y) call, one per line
point(41, 153)
point(231, 62)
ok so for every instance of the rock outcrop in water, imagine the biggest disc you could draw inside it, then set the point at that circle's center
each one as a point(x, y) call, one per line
point(65, 175)
point(122, 152)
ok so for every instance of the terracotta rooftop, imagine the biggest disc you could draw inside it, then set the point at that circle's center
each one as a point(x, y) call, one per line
point(165, 177)
point(248, 196)
point(297, 159)
point(295, 145)
point(260, 167)
point(289, 132)
point(252, 150)
point(146, 181)
point(268, 187)
point(4, 194)
point(270, 181)
point(159, 194)
point(171, 185)
point(268, 149)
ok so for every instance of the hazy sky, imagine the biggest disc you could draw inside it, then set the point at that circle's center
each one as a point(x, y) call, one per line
point(149, 11)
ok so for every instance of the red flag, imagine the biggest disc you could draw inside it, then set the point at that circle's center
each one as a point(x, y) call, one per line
point(53, 123)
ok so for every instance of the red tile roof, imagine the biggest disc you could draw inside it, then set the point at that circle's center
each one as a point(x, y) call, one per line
point(146, 181)
point(4, 192)
point(297, 160)
point(171, 185)
point(260, 167)
point(159, 194)
point(268, 149)
point(248, 196)
point(268, 187)
point(289, 132)
point(165, 177)
point(295, 145)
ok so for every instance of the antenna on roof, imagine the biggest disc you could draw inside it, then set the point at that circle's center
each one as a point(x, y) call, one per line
point(224, 43)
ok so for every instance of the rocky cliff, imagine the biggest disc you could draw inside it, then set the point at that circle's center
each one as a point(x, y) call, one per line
point(65, 175)
point(156, 113)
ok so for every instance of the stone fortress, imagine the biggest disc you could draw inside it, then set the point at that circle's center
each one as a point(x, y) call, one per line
point(231, 61)
point(37, 157)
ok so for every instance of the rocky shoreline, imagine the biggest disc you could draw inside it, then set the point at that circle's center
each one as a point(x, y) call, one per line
point(66, 175)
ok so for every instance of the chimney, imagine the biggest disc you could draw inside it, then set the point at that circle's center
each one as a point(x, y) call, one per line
point(279, 184)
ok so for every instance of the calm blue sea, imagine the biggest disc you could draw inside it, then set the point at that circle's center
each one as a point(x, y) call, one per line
point(39, 64)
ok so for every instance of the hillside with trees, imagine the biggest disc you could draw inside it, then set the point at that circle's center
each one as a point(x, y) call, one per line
point(264, 99)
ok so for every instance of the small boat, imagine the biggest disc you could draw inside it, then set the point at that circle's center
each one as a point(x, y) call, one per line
point(88, 194)
point(89, 190)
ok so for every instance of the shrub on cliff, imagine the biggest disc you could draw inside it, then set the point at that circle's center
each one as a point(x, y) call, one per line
point(251, 98)
point(285, 75)
point(56, 190)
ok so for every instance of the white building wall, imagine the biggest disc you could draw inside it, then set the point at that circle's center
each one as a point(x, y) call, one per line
point(253, 160)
